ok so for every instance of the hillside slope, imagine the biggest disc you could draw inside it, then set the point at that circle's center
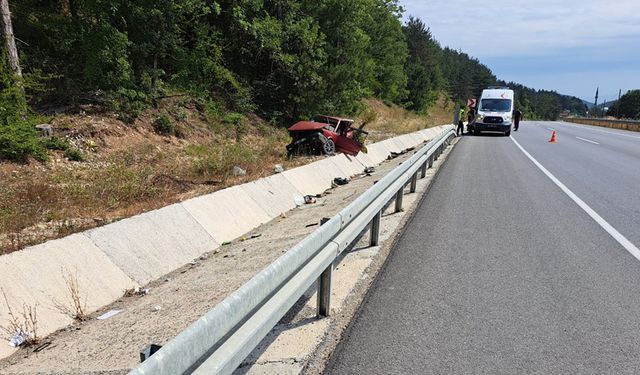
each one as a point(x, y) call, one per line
point(130, 168)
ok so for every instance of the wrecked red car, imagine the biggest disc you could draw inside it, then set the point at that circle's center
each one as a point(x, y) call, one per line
point(326, 135)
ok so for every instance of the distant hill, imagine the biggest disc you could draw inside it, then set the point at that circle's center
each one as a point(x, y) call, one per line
point(588, 104)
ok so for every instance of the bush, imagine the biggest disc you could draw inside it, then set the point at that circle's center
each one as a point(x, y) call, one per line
point(128, 104)
point(164, 126)
point(55, 143)
point(20, 140)
point(74, 154)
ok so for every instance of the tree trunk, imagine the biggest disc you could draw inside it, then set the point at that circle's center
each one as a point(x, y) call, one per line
point(7, 30)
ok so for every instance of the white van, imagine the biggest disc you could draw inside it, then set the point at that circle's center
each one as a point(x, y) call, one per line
point(494, 111)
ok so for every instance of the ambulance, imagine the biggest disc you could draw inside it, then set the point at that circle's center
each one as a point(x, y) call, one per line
point(494, 111)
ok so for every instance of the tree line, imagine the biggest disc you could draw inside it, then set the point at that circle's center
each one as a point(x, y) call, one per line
point(281, 59)
point(627, 107)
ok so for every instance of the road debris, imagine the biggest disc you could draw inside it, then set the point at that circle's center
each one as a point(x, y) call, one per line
point(19, 338)
point(109, 314)
point(309, 199)
point(42, 347)
point(338, 181)
point(278, 168)
point(299, 200)
point(250, 236)
point(238, 171)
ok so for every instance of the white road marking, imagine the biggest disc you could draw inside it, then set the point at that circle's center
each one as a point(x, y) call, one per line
point(551, 128)
point(587, 127)
point(622, 240)
point(588, 140)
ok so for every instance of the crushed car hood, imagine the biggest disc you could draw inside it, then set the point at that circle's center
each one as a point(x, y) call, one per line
point(306, 125)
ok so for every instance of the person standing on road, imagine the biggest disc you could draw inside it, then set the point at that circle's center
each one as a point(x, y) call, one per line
point(471, 115)
point(517, 116)
point(460, 116)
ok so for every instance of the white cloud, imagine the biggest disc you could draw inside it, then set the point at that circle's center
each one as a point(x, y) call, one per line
point(507, 27)
point(565, 45)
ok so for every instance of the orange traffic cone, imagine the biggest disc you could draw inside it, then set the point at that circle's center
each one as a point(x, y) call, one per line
point(553, 137)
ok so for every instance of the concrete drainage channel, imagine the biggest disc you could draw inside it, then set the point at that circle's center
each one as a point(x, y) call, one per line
point(135, 251)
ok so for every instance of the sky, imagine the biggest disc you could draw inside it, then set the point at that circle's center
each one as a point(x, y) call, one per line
point(570, 46)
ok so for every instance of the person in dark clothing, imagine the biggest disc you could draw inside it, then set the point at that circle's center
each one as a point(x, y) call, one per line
point(460, 128)
point(517, 116)
point(471, 115)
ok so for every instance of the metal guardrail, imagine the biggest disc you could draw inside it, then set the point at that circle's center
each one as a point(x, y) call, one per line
point(632, 125)
point(219, 341)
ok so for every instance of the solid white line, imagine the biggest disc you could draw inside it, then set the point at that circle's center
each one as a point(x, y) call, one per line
point(551, 128)
point(622, 240)
point(587, 140)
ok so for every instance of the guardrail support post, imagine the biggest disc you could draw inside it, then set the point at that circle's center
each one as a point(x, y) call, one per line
point(375, 230)
point(399, 196)
point(423, 171)
point(414, 183)
point(436, 153)
point(431, 161)
point(324, 292)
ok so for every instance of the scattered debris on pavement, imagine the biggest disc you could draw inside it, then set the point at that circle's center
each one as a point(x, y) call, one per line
point(338, 181)
point(109, 314)
point(19, 338)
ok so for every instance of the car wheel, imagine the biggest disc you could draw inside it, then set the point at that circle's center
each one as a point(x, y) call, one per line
point(476, 132)
point(508, 133)
point(329, 147)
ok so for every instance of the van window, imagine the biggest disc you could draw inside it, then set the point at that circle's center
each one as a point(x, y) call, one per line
point(495, 105)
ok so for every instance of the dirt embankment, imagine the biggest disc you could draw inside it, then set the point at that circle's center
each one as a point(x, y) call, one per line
point(166, 155)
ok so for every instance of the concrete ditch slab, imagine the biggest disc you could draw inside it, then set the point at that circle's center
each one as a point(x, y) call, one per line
point(308, 180)
point(348, 164)
point(405, 141)
point(226, 214)
point(274, 194)
point(365, 159)
point(393, 145)
point(377, 153)
point(152, 244)
point(39, 276)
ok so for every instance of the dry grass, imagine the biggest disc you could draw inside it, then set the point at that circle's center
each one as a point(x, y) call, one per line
point(76, 306)
point(25, 323)
point(130, 169)
point(383, 120)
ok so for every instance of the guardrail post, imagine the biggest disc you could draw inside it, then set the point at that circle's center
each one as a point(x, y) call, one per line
point(375, 230)
point(431, 161)
point(423, 171)
point(399, 196)
point(436, 153)
point(414, 183)
point(324, 292)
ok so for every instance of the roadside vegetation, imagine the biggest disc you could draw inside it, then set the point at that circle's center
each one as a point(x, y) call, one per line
point(627, 107)
point(151, 102)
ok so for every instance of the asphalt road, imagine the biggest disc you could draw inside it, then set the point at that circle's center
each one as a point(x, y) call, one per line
point(501, 272)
